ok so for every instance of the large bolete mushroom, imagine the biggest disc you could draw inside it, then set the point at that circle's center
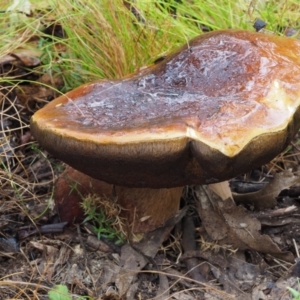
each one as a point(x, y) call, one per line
point(226, 102)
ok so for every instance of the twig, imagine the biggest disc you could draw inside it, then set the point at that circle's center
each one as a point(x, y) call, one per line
point(296, 248)
point(189, 244)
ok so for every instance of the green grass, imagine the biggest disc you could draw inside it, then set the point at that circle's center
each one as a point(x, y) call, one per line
point(104, 39)
point(103, 215)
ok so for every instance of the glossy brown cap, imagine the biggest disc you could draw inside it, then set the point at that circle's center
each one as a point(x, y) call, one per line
point(226, 102)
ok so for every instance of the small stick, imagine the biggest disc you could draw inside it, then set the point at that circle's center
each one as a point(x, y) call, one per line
point(296, 248)
point(189, 244)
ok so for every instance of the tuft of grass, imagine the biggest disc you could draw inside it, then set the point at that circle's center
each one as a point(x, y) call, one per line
point(103, 214)
point(113, 38)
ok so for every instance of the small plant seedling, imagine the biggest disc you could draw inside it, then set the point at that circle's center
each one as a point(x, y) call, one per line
point(295, 294)
point(59, 292)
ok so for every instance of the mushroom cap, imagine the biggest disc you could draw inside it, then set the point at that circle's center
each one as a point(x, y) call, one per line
point(226, 102)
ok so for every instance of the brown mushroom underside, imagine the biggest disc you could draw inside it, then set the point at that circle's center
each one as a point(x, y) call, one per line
point(219, 106)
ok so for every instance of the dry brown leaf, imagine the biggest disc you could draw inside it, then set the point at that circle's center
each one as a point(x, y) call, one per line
point(29, 58)
point(234, 225)
point(265, 198)
point(235, 274)
point(279, 291)
point(135, 257)
point(211, 219)
point(109, 271)
point(46, 263)
point(131, 263)
point(63, 256)
point(288, 279)
point(49, 250)
point(52, 258)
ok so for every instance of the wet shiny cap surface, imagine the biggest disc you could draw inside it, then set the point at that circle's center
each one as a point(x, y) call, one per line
point(225, 92)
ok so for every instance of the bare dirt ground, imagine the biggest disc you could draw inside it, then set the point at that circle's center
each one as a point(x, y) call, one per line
point(213, 249)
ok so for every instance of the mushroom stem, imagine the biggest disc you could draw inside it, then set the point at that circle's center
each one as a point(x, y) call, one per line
point(146, 209)
point(142, 209)
point(222, 189)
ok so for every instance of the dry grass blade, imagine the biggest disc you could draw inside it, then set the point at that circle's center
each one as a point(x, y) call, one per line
point(23, 290)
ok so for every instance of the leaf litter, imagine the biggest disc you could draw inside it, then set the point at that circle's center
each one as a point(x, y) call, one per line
point(218, 249)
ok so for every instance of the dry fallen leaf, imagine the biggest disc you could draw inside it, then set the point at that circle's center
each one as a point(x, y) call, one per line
point(232, 271)
point(135, 257)
point(265, 198)
point(234, 225)
point(288, 279)
point(46, 263)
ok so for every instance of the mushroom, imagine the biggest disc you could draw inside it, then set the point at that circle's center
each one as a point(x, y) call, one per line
point(221, 105)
